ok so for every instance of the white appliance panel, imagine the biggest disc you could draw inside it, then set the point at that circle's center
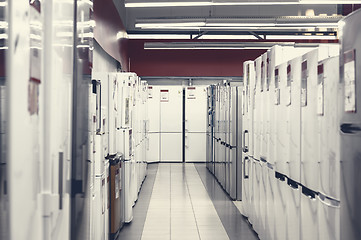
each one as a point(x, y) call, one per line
point(195, 147)
point(154, 108)
point(195, 108)
point(171, 147)
point(153, 152)
point(171, 98)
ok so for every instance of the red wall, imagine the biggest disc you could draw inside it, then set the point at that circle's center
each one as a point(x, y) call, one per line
point(207, 63)
point(187, 62)
point(108, 24)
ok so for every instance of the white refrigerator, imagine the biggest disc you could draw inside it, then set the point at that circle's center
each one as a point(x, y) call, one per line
point(195, 123)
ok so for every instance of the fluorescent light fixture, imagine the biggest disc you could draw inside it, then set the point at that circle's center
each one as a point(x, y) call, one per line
point(170, 25)
point(121, 35)
point(150, 3)
point(301, 37)
point(86, 35)
point(3, 36)
point(90, 3)
point(3, 4)
point(158, 36)
point(221, 45)
point(270, 23)
point(187, 36)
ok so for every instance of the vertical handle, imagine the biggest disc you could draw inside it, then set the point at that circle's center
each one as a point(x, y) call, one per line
point(60, 186)
point(245, 172)
point(245, 148)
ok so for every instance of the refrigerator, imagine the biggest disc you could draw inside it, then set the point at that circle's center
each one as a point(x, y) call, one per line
point(235, 161)
point(210, 128)
point(247, 137)
point(171, 105)
point(195, 123)
point(153, 152)
point(329, 97)
point(310, 144)
point(350, 127)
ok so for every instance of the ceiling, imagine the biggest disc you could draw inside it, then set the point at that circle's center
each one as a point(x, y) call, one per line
point(248, 21)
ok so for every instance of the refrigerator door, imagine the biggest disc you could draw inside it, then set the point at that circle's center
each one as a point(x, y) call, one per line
point(350, 127)
point(171, 147)
point(309, 118)
point(232, 145)
point(154, 106)
point(293, 210)
point(328, 218)
point(280, 203)
point(329, 98)
point(309, 218)
point(171, 98)
point(295, 121)
point(270, 192)
point(195, 147)
point(282, 139)
point(257, 133)
point(239, 142)
point(195, 108)
point(153, 151)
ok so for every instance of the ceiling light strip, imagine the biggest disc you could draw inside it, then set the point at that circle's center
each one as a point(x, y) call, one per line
point(134, 4)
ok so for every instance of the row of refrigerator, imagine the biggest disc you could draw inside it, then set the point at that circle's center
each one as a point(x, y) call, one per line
point(224, 140)
point(177, 120)
point(73, 140)
point(291, 151)
point(119, 141)
point(297, 133)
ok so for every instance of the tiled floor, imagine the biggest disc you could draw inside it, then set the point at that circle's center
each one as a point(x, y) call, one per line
point(186, 203)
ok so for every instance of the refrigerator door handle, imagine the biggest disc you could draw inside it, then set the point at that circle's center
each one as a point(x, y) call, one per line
point(245, 174)
point(60, 186)
point(245, 148)
point(349, 128)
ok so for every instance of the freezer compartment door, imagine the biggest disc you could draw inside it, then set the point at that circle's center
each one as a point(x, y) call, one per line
point(195, 108)
point(195, 147)
point(171, 147)
point(153, 152)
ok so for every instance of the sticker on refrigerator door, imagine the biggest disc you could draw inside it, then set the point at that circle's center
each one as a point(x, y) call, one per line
point(304, 84)
point(191, 92)
point(288, 86)
point(320, 90)
point(150, 92)
point(350, 81)
point(164, 95)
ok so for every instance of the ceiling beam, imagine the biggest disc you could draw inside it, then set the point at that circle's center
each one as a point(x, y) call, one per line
point(200, 35)
point(256, 35)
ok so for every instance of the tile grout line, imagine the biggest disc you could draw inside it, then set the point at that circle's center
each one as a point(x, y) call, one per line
point(150, 200)
point(210, 197)
point(194, 214)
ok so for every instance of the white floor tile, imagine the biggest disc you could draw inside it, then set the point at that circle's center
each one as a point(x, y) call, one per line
point(180, 207)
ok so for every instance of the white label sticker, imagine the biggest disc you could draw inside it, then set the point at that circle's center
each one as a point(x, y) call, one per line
point(191, 93)
point(150, 92)
point(164, 95)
